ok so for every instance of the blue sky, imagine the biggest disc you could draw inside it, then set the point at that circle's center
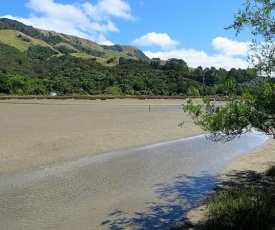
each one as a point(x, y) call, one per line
point(192, 30)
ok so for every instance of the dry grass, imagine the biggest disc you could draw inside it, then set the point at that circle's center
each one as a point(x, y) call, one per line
point(10, 37)
point(66, 45)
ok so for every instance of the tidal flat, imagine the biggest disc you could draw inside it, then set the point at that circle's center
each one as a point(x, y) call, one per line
point(105, 164)
point(38, 133)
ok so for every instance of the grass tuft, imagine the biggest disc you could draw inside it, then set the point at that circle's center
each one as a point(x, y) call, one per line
point(250, 208)
point(271, 171)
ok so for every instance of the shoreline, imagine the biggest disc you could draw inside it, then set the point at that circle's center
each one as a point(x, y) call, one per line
point(247, 170)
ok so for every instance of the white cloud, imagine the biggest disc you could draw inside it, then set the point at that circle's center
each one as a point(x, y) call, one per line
point(85, 20)
point(156, 39)
point(229, 53)
point(195, 58)
point(230, 47)
point(108, 8)
point(107, 43)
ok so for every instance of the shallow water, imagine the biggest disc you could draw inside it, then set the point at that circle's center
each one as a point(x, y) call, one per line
point(143, 188)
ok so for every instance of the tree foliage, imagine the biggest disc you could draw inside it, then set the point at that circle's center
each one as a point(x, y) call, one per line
point(71, 75)
point(255, 108)
point(40, 52)
point(258, 16)
point(227, 120)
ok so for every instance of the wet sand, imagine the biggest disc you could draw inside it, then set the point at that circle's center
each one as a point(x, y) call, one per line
point(38, 133)
point(149, 187)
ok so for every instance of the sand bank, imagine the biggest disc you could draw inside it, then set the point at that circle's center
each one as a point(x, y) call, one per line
point(38, 133)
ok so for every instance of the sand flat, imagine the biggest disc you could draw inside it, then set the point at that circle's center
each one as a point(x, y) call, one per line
point(38, 133)
point(41, 133)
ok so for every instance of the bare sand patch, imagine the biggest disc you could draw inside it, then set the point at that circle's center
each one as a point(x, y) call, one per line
point(38, 133)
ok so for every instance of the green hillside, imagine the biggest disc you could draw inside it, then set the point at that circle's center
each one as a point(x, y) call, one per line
point(23, 37)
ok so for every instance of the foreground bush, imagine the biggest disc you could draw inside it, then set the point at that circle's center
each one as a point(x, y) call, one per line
point(271, 171)
point(249, 208)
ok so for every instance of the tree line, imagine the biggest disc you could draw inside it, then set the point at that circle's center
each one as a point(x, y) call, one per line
point(34, 73)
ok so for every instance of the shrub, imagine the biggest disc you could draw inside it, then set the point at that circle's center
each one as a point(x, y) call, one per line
point(271, 171)
point(250, 208)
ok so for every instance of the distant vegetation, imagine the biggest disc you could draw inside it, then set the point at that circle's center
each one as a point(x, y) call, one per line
point(51, 63)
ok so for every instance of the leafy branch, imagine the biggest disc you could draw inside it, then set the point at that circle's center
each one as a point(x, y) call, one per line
point(230, 119)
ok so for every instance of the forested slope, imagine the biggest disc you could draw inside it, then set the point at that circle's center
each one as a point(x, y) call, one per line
point(37, 62)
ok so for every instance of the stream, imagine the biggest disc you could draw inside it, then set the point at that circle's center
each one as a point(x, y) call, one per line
point(149, 187)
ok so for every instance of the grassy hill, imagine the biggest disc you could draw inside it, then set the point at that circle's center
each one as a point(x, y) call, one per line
point(49, 43)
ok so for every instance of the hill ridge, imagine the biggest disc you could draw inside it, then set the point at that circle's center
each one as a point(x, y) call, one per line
point(64, 44)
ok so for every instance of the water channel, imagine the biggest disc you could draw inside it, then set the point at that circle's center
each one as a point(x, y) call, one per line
point(149, 187)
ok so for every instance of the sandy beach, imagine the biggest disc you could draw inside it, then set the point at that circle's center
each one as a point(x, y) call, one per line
point(39, 133)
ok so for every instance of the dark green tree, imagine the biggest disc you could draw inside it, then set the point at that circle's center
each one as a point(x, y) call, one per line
point(199, 74)
point(176, 64)
point(155, 63)
point(5, 84)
